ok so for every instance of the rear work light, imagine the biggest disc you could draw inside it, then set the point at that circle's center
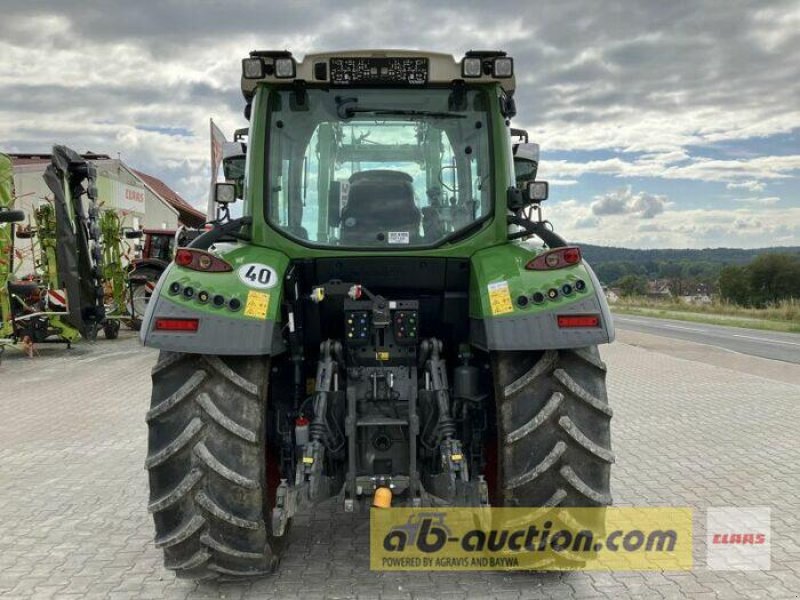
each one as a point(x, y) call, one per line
point(503, 67)
point(200, 260)
point(188, 325)
point(555, 259)
point(284, 68)
point(253, 68)
point(495, 63)
point(471, 67)
point(576, 321)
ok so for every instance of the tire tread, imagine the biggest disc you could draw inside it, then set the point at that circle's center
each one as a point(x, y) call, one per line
point(207, 465)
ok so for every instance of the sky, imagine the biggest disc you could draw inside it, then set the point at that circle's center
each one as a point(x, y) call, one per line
point(662, 124)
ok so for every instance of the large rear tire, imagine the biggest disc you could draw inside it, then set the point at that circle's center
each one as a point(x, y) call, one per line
point(554, 429)
point(206, 460)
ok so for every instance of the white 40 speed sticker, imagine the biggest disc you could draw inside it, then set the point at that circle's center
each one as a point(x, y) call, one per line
point(256, 275)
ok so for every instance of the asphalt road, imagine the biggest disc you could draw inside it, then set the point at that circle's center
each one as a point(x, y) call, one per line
point(756, 342)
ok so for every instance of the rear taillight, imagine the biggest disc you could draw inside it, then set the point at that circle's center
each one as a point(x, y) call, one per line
point(200, 260)
point(555, 259)
point(188, 325)
point(570, 321)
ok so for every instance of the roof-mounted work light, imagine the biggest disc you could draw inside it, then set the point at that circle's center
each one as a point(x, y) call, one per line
point(494, 63)
point(253, 68)
point(503, 67)
point(284, 68)
point(471, 67)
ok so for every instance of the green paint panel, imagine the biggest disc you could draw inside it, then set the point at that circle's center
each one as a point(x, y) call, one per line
point(6, 244)
point(229, 285)
point(503, 268)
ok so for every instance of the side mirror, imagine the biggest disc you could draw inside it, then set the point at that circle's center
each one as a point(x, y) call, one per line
point(538, 191)
point(133, 234)
point(526, 163)
point(12, 216)
point(234, 159)
point(224, 193)
point(240, 134)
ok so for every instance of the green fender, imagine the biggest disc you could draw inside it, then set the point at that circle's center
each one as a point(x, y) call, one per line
point(514, 308)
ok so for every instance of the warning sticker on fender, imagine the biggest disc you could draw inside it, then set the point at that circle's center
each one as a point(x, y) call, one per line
point(256, 305)
point(500, 298)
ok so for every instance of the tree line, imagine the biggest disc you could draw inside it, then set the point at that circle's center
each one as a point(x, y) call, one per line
point(766, 278)
point(683, 277)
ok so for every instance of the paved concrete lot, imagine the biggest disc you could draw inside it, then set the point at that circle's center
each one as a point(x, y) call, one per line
point(73, 489)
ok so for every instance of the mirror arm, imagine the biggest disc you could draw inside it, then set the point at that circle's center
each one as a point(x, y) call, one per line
point(230, 228)
point(549, 237)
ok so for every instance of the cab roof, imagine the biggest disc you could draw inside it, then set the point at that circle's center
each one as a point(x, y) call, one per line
point(380, 68)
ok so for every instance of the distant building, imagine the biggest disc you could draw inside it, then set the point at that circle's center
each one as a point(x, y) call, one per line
point(612, 294)
point(140, 199)
point(697, 299)
point(188, 215)
point(659, 288)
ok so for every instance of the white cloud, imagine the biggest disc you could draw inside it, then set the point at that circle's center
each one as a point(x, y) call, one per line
point(587, 222)
point(750, 186)
point(624, 202)
point(756, 201)
point(700, 169)
point(588, 80)
point(697, 228)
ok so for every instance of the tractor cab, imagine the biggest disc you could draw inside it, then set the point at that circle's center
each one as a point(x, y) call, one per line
point(379, 151)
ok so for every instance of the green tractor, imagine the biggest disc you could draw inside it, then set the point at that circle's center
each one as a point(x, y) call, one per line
point(381, 321)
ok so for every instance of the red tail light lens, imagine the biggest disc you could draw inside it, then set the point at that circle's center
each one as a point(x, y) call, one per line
point(555, 259)
point(571, 321)
point(200, 260)
point(188, 325)
point(183, 258)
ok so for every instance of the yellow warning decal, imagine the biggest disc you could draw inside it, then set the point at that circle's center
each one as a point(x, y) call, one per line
point(257, 305)
point(500, 298)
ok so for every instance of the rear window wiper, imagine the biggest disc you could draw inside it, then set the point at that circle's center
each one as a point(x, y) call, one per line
point(347, 112)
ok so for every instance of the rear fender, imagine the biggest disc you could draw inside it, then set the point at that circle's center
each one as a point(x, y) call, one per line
point(504, 316)
point(246, 322)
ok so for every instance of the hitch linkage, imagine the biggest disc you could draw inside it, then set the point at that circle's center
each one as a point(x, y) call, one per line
point(309, 470)
point(450, 449)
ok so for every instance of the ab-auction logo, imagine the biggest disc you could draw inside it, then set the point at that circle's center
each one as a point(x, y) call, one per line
point(524, 538)
point(428, 533)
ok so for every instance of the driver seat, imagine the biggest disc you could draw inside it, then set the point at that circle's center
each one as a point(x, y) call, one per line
point(380, 201)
